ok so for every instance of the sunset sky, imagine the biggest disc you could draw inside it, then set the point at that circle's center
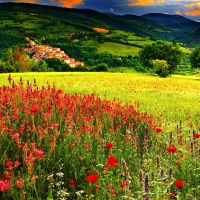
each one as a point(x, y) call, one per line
point(187, 8)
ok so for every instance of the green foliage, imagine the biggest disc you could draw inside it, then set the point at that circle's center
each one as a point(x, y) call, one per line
point(56, 64)
point(195, 58)
point(161, 67)
point(102, 67)
point(162, 51)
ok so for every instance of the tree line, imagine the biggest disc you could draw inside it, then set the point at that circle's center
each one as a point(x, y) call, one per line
point(162, 58)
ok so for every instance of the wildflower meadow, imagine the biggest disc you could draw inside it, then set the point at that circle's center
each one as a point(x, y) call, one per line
point(99, 136)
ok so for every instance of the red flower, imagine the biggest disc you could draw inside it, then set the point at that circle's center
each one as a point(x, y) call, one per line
point(172, 194)
point(72, 182)
point(178, 163)
point(34, 109)
point(112, 161)
point(4, 184)
point(179, 183)
point(197, 135)
point(171, 149)
point(158, 130)
point(122, 185)
point(9, 78)
point(39, 153)
point(9, 163)
point(92, 178)
point(109, 145)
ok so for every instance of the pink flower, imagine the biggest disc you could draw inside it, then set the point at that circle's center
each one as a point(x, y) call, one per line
point(4, 184)
point(39, 154)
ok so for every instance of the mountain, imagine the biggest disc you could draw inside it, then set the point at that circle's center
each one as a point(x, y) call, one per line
point(166, 19)
point(152, 25)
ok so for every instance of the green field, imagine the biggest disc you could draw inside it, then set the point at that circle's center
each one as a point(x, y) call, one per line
point(118, 49)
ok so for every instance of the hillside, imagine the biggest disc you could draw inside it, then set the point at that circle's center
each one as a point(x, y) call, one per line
point(72, 30)
point(153, 25)
point(166, 19)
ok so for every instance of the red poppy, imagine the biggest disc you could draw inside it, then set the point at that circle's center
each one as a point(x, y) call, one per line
point(178, 163)
point(171, 149)
point(34, 109)
point(112, 161)
point(92, 178)
point(158, 130)
point(9, 163)
point(179, 183)
point(72, 182)
point(109, 145)
point(197, 135)
point(122, 185)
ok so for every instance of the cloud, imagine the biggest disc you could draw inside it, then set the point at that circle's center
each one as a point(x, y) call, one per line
point(68, 3)
point(194, 9)
point(178, 12)
point(145, 2)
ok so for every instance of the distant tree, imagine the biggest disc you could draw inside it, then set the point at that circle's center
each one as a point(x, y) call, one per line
point(102, 67)
point(18, 59)
point(161, 67)
point(195, 58)
point(5, 67)
point(56, 64)
point(162, 51)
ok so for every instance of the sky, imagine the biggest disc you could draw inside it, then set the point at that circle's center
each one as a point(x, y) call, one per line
point(187, 8)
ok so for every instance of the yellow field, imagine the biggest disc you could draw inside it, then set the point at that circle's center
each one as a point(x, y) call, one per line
point(168, 100)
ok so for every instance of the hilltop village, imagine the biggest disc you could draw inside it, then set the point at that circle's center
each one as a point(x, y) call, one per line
point(41, 52)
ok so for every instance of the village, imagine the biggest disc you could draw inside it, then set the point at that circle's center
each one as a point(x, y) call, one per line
point(41, 52)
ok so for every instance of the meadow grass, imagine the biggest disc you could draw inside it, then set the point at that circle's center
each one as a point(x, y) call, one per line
point(99, 136)
point(118, 49)
point(169, 100)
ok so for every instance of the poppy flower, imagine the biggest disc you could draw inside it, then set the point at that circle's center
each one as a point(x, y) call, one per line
point(112, 161)
point(109, 145)
point(92, 178)
point(34, 109)
point(171, 149)
point(158, 130)
point(197, 135)
point(72, 182)
point(179, 183)
point(122, 185)
point(178, 163)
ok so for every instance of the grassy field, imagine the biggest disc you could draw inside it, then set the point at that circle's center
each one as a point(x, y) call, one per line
point(138, 141)
point(118, 49)
point(176, 97)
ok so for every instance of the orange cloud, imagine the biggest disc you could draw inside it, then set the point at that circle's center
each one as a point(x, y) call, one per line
point(68, 3)
point(145, 2)
point(178, 12)
point(195, 9)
